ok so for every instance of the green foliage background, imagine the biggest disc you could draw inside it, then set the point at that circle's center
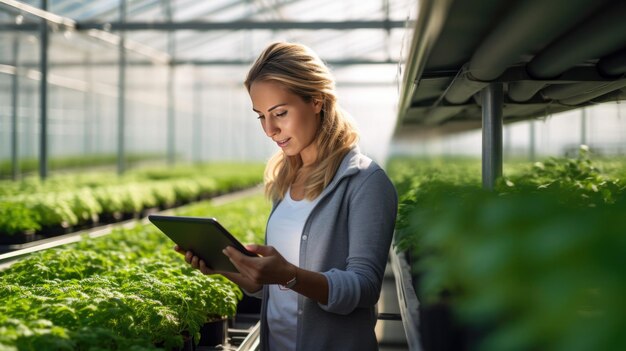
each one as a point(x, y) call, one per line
point(536, 264)
point(30, 205)
point(125, 291)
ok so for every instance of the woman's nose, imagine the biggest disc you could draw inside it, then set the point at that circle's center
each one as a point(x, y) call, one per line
point(271, 128)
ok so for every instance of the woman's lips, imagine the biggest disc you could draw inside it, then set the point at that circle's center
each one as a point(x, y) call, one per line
point(283, 143)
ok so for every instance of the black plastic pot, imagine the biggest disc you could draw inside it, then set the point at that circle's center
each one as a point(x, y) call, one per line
point(440, 331)
point(188, 344)
point(110, 217)
point(249, 305)
point(439, 327)
point(55, 230)
point(130, 215)
point(19, 238)
point(214, 333)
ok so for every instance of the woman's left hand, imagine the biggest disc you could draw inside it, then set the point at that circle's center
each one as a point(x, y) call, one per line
point(270, 268)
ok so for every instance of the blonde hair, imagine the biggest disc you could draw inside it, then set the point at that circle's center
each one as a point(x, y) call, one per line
point(302, 72)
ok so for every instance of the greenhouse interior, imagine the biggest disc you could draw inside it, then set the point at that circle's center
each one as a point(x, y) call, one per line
point(499, 125)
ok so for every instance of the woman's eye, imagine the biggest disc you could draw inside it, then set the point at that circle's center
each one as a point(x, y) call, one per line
point(261, 117)
point(281, 114)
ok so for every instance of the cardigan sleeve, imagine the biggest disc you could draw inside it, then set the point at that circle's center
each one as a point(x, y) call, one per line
point(371, 221)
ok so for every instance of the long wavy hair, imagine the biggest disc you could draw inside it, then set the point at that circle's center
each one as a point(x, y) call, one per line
point(302, 72)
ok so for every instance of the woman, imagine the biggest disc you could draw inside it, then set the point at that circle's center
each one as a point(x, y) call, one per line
point(333, 215)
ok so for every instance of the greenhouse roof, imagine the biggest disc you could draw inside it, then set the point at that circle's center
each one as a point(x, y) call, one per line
point(218, 32)
point(551, 56)
point(100, 71)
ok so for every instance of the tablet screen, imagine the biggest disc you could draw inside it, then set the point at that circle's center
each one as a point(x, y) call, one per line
point(205, 237)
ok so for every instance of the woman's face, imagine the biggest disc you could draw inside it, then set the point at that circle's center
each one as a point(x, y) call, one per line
point(286, 118)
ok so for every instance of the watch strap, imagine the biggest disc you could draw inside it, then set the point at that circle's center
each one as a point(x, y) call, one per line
point(293, 281)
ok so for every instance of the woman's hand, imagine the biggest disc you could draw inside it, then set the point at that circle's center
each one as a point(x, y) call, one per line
point(195, 261)
point(270, 268)
point(236, 278)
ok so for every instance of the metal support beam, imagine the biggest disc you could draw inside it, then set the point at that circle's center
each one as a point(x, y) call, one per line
point(171, 117)
point(237, 25)
point(43, 97)
point(197, 119)
point(217, 62)
point(88, 108)
point(121, 103)
point(171, 83)
point(532, 149)
point(386, 10)
point(22, 8)
point(15, 171)
point(508, 142)
point(583, 126)
point(97, 122)
point(211, 26)
point(492, 96)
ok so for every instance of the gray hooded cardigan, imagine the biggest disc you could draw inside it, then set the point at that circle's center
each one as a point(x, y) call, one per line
point(347, 238)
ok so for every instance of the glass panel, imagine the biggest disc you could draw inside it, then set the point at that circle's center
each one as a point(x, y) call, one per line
point(84, 71)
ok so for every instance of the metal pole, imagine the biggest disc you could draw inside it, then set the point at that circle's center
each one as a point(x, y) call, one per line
point(492, 97)
point(30, 129)
point(171, 113)
point(15, 172)
point(171, 122)
point(121, 103)
point(583, 126)
point(386, 11)
point(87, 109)
point(97, 143)
point(507, 141)
point(43, 97)
point(197, 116)
point(532, 155)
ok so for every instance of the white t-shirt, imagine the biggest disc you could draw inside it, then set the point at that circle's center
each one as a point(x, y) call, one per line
point(284, 231)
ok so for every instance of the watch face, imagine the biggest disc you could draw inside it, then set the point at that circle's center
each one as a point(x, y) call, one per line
point(289, 284)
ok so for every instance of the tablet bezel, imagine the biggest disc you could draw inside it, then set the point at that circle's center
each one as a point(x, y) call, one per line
point(204, 236)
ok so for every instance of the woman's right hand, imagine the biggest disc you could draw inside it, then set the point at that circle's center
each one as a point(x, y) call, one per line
point(235, 277)
point(195, 261)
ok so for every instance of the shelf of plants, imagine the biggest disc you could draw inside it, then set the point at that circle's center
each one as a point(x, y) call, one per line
point(31, 165)
point(125, 291)
point(31, 209)
point(536, 264)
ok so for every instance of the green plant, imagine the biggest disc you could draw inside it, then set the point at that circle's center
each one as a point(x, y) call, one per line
point(18, 217)
point(68, 200)
point(535, 264)
point(135, 291)
point(125, 291)
point(532, 269)
point(580, 176)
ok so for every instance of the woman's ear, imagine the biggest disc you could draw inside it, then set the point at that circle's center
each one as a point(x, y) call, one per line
point(317, 105)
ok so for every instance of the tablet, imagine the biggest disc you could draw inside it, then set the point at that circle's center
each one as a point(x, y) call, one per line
point(205, 237)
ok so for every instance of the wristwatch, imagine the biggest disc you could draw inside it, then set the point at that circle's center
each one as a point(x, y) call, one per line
point(290, 284)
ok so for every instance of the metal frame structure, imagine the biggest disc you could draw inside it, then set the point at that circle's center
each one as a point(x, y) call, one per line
point(407, 299)
point(14, 112)
point(121, 101)
point(211, 26)
point(473, 64)
point(113, 31)
point(43, 96)
point(491, 97)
